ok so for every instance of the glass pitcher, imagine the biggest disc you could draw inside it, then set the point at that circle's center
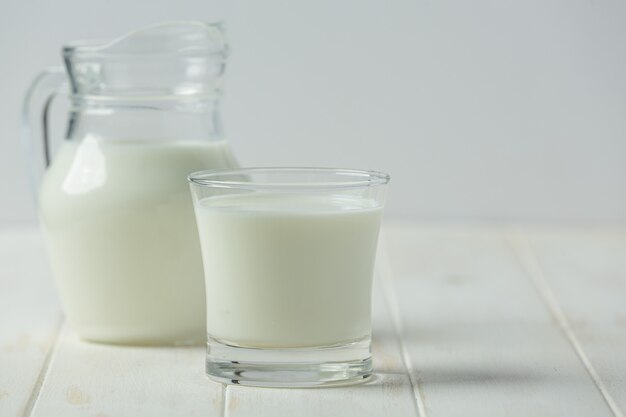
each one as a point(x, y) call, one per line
point(114, 203)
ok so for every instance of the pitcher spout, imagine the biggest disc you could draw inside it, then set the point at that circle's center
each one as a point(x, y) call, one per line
point(173, 59)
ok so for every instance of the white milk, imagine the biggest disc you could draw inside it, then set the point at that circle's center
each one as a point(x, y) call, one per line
point(122, 239)
point(288, 270)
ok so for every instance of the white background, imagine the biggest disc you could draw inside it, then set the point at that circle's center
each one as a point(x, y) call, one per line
point(481, 110)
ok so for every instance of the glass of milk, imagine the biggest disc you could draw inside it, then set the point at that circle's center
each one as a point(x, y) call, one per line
point(288, 256)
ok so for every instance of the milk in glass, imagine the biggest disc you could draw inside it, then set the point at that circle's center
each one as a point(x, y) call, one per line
point(288, 270)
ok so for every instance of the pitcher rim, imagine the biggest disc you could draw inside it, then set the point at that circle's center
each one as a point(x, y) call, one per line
point(99, 46)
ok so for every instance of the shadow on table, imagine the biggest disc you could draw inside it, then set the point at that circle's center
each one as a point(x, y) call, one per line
point(474, 376)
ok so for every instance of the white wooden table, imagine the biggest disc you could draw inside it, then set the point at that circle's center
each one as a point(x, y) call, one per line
point(468, 321)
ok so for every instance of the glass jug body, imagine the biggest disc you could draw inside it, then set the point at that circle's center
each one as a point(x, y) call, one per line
point(124, 250)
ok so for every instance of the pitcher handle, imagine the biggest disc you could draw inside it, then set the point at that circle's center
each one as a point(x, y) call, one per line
point(36, 106)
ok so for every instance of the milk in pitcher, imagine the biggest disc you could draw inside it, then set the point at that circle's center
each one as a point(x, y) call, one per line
point(122, 239)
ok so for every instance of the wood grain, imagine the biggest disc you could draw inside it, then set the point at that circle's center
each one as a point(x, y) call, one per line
point(478, 336)
point(87, 379)
point(583, 272)
point(29, 319)
point(488, 321)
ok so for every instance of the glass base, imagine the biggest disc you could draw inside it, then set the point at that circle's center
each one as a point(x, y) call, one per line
point(343, 364)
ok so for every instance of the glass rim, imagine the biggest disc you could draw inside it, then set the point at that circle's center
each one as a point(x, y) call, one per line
point(345, 178)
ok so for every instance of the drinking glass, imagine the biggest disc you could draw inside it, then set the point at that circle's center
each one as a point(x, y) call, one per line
point(288, 257)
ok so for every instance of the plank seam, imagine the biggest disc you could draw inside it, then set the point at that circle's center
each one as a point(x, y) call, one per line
point(43, 373)
point(534, 270)
point(224, 393)
point(391, 304)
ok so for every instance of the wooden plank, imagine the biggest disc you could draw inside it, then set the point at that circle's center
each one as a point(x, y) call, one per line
point(582, 274)
point(478, 338)
point(388, 393)
point(385, 342)
point(29, 318)
point(87, 379)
